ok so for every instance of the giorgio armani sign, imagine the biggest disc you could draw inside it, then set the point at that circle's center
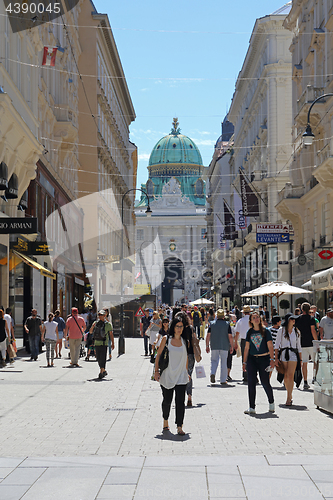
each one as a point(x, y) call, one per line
point(20, 225)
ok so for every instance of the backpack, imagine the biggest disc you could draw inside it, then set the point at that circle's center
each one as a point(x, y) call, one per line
point(196, 317)
point(99, 331)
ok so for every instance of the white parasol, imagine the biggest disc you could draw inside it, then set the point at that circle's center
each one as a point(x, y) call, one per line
point(201, 302)
point(275, 289)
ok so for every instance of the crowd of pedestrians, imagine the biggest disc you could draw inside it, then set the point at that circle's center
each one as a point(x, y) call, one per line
point(95, 332)
point(285, 345)
point(172, 336)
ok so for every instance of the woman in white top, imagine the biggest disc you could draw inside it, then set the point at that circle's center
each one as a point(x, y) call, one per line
point(288, 342)
point(153, 329)
point(50, 336)
point(175, 377)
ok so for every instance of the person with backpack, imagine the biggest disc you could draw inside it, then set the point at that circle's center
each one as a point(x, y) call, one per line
point(75, 327)
point(196, 321)
point(101, 331)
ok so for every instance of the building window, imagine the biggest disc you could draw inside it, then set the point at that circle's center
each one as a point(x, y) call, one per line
point(139, 234)
point(199, 187)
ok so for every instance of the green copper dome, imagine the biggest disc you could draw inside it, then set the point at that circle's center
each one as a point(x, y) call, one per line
point(175, 148)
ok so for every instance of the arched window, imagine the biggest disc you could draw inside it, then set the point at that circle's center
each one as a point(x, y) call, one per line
point(199, 187)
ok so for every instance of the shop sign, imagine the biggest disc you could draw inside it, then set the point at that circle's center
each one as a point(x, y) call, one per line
point(23, 225)
point(323, 258)
point(33, 247)
point(273, 228)
point(272, 237)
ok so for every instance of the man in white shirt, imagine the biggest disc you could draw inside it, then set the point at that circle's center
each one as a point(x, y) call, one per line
point(326, 325)
point(242, 327)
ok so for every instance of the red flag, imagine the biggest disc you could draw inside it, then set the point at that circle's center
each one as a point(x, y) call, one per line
point(49, 56)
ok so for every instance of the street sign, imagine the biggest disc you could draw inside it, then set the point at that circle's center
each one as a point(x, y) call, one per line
point(273, 228)
point(272, 237)
point(139, 312)
point(142, 289)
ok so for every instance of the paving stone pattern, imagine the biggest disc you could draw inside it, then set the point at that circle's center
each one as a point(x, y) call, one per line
point(67, 434)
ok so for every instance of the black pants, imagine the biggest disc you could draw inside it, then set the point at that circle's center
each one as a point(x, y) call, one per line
point(253, 366)
point(179, 400)
point(145, 343)
point(100, 352)
point(243, 342)
point(229, 359)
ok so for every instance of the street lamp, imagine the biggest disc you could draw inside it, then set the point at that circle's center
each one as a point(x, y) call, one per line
point(121, 342)
point(308, 135)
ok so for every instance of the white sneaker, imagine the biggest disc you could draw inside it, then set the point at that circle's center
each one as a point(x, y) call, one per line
point(250, 411)
point(271, 407)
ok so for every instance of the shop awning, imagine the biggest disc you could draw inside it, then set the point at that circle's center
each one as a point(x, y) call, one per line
point(32, 263)
point(323, 280)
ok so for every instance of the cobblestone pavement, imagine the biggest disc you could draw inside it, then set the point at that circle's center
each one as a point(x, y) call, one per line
point(66, 434)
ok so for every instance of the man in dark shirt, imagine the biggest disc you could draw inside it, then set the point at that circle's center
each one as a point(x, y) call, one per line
point(144, 323)
point(32, 327)
point(307, 326)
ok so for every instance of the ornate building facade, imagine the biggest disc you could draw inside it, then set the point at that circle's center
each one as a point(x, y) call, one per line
point(261, 114)
point(307, 199)
point(171, 244)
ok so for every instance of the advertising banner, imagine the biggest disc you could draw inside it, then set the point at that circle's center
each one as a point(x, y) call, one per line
point(249, 198)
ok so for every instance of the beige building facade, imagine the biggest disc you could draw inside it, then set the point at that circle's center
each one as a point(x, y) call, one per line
point(261, 114)
point(108, 159)
point(20, 148)
point(306, 199)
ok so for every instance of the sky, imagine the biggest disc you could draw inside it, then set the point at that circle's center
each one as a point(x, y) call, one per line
point(181, 59)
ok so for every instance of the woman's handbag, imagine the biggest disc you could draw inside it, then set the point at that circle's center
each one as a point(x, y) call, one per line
point(196, 348)
point(280, 367)
point(163, 362)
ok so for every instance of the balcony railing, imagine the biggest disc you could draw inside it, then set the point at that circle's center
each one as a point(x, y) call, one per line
point(290, 191)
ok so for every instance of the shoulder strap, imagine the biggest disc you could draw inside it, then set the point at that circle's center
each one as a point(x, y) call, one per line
point(76, 323)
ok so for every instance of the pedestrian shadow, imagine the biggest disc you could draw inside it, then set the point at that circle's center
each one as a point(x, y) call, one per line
point(294, 407)
point(268, 414)
point(220, 386)
point(97, 379)
point(169, 436)
point(198, 405)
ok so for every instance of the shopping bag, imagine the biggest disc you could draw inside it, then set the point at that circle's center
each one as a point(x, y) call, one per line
point(11, 352)
point(239, 351)
point(14, 346)
point(200, 371)
point(66, 344)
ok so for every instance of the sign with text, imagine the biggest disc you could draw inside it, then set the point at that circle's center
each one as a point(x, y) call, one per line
point(272, 238)
point(141, 290)
point(32, 247)
point(273, 228)
point(23, 225)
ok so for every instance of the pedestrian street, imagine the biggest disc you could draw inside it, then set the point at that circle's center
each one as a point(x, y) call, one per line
point(67, 434)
